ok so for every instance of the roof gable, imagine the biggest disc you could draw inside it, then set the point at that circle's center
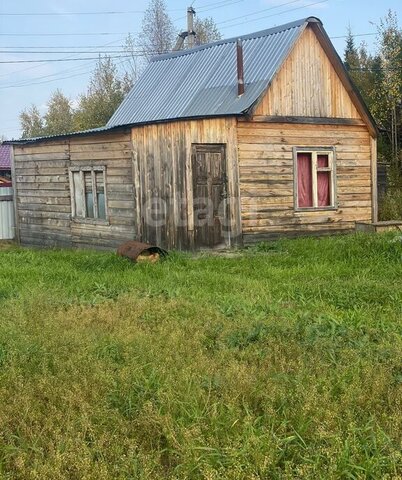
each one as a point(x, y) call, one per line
point(344, 77)
point(308, 88)
point(203, 81)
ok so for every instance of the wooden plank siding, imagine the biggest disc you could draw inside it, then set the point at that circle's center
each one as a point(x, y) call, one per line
point(306, 105)
point(149, 177)
point(43, 191)
point(307, 85)
point(162, 162)
point(43, 194)
point(113, 151)
point(266, 168)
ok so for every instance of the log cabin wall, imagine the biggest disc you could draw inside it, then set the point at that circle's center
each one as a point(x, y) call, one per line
point(305, 106)
point(43, 192)
point(267, 178)
point(163, 171)
point(113, 151)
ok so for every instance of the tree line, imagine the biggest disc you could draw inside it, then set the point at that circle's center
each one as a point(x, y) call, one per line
point(378, 76)
point(109, 84)
point(104, 94)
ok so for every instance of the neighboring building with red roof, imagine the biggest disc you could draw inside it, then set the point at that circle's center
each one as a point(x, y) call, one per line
point(5, 157)
point(5, 166)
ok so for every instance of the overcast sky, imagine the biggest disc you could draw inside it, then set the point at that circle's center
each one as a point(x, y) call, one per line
point(22, 84)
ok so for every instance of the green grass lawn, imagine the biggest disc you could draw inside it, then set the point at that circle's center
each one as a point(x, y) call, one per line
point(282, 363)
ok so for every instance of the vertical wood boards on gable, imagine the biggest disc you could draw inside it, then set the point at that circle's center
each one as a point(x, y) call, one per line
point(44, 198)
point(162, 154)
point(307, 85)
point(266, 167)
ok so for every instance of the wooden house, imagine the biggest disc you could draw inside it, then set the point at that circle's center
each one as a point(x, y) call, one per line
point(233, 142)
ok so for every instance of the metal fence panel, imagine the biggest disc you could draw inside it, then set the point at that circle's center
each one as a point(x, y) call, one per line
point(6, 214)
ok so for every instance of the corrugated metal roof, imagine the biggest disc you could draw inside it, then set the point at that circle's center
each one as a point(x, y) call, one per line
point(43, 138)
point(202, 82)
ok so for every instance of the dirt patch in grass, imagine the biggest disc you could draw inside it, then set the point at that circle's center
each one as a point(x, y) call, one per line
point(6, 244)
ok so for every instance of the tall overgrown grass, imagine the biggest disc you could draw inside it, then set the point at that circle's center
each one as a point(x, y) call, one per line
point(282, 363)
point(390, 203)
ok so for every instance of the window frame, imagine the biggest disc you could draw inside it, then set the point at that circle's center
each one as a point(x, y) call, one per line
point(315, 151)
point(93, 169)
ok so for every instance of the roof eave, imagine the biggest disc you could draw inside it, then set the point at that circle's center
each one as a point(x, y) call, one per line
point(30, 141)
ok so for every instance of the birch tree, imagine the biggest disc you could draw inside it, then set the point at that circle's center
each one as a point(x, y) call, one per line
point(31, 122)
point(105, 93)
point(206, 30)
point(58, 118)
point(158, 33)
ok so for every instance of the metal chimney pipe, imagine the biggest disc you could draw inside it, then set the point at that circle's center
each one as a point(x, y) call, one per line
point(240, 68)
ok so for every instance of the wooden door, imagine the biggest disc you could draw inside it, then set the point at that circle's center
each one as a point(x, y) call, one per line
point(209, 195)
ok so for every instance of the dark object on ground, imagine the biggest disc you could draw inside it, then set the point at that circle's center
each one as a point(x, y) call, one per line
point(141, 252)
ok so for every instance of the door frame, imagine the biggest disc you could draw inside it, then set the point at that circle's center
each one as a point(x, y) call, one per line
point(227, 226)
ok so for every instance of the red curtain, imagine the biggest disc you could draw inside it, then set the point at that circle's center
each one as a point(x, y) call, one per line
point(323, 182)
point(304, 180)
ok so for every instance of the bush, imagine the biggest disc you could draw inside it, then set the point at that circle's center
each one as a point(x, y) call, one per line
point(390, 204)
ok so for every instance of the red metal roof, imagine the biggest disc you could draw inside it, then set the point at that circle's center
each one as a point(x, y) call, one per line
point(5, 157)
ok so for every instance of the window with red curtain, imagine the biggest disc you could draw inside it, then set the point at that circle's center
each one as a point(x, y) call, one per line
point(323, 181)
point(304, 180)
point(314, 179)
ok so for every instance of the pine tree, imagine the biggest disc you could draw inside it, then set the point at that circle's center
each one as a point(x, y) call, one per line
point(390, 106)
point(379, 79)
point(351, 56)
